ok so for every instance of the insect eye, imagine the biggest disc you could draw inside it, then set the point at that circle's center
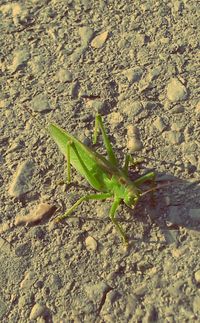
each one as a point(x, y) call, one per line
point(122, 181)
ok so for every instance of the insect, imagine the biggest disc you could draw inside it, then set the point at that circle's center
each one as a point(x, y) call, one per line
point(103, 174)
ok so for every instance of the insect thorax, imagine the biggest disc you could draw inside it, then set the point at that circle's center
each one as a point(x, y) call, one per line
point(124, 189)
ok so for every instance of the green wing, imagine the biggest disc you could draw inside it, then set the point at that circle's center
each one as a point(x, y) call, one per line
point(94, 167)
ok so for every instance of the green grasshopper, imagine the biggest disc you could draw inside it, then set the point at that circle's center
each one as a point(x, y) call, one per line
point(104, 175)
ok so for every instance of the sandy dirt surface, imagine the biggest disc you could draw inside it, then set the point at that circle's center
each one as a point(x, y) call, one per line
point(136, 62)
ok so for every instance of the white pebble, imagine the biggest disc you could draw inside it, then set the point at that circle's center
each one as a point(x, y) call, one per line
point(134, 144)
point(64, 75)
point(176, 91)
point(197, 276)
point(91, 244)
point(159, 124)
point(37, 311)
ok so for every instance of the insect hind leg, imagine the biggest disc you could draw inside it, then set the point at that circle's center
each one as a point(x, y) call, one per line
point(87, 197)
point(109, 149)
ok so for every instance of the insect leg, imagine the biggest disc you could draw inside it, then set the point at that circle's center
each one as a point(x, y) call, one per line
point(87, 197)
point(112, 215)
point(147, 177)
point(126, 164)
point(99, 125)
point(130, 161)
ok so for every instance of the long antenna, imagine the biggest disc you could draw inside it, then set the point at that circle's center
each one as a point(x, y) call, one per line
point(156, 188)
point(37, 121)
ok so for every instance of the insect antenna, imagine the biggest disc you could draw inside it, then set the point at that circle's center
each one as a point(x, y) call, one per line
point(32, 115)
point(156, 188)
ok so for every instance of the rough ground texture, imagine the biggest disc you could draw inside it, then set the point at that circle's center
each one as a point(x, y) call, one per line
point(137, 63)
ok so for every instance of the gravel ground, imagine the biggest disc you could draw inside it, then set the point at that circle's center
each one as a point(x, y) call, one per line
point(137, 63)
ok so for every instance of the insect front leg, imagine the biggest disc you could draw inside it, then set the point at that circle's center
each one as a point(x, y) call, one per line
point(87, 197)
point(112, 215)
point(109, 149)
point(130, 161)
point(147, 177)
point(151, 176)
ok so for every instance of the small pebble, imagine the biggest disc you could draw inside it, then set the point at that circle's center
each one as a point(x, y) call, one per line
point(177, 126)
point(189, 147)
point(41, 211)
point(197, 276)
point(153, 73)
point(97, 105)
point(176, 91)
point(131, 304)
point(24, 300)
point(21, 180)
point(77, 53)
point(74, 90)
point(4, 104)
point(177, 109)
point(133, 140)
point(86, 33)
point(175, 288)
point(20, 58)
point(115, 118)
point(140, 290)
point(99, 40)
point(96, 291)
point(173, 137)
point(5, 226)
point(24, 249)
point(197, 109)
point(134, 145)
point(64, 75)
point(159, 124)
point(133, 75)
point(91, 244)
point(28, 280)
point(38, 233)
point(196, 304)
point(40, 103)
point(37, 311)
point(37, 64)
point(132, 131)
point(135, 108)
point(56, 282)
point(131, 108)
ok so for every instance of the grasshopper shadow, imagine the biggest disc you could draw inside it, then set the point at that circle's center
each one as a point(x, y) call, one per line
point(174, 207)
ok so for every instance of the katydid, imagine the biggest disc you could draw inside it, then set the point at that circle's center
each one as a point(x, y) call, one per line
point(104, 175)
